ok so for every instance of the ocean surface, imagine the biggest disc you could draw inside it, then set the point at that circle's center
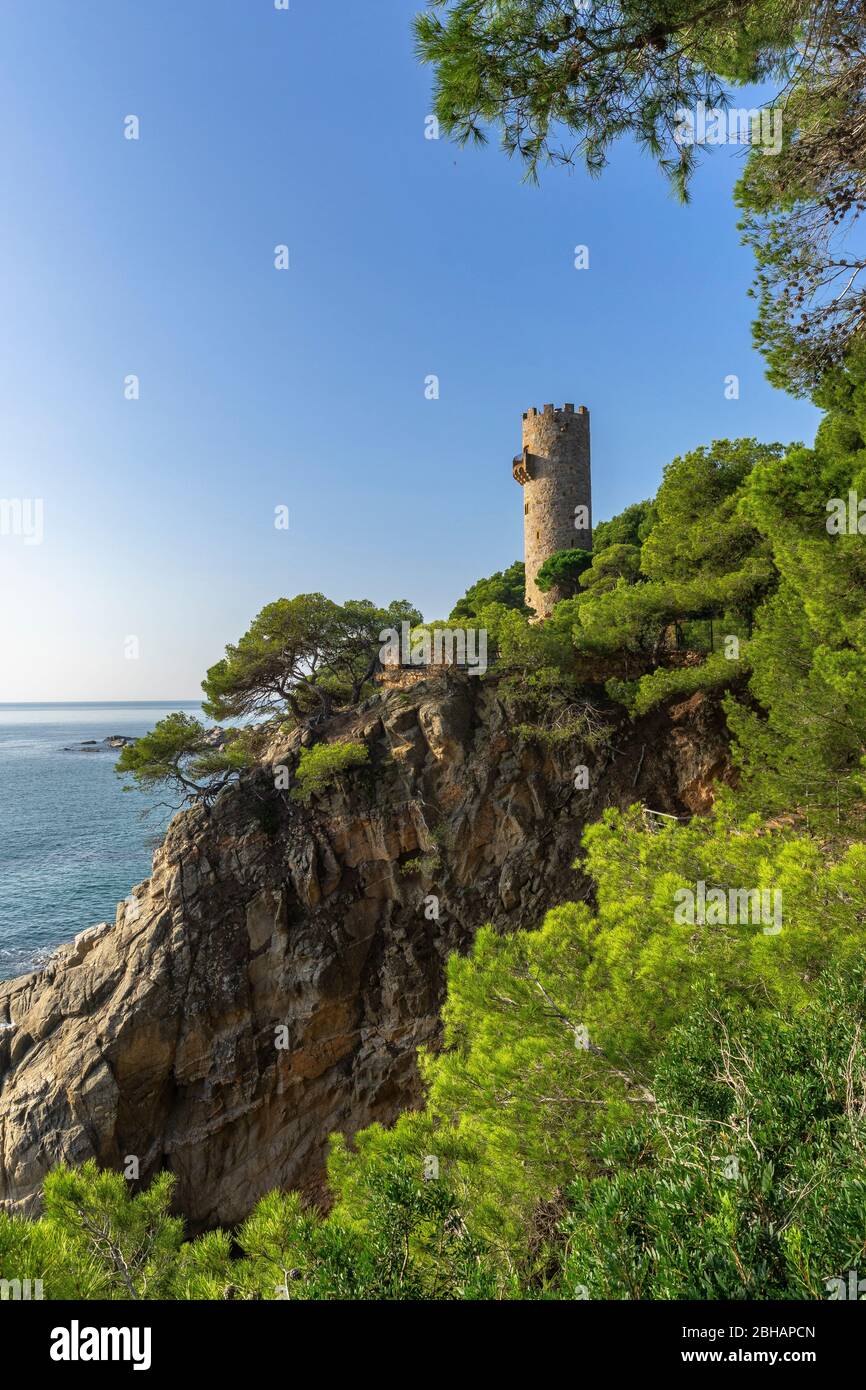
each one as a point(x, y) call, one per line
point(72, 842)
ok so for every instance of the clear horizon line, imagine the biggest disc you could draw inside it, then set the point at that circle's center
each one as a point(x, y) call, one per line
point(16, 704)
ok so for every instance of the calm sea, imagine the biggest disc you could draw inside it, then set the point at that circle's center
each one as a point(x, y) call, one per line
point(72, 842)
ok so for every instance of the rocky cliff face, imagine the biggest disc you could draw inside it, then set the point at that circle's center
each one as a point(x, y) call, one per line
point(271, 981)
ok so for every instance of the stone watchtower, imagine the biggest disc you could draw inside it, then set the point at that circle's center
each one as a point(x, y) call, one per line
point(554, 472)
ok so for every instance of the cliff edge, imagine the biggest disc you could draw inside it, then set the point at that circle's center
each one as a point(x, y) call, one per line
point(271, 981)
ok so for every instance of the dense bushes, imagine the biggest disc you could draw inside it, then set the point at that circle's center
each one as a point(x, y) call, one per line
point(746, 1179)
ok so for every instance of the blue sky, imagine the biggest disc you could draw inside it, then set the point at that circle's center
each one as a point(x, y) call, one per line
point(304, 388)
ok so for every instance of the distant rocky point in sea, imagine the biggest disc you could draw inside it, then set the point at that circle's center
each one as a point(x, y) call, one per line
point(96, 745)
point(215, 737)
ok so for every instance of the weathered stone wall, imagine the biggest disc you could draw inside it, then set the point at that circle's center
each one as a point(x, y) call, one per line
point(555, 475)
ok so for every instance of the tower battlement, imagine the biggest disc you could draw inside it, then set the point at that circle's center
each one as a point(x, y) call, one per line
point(567, 409)
point(554, 471)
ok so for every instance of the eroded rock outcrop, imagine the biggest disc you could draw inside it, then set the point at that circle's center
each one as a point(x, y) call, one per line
point(266, 922)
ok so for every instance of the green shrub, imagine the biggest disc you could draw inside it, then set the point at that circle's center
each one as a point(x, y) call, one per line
point(746, 1179)
point(422, 864)
point(717, 673)
point(320, 765)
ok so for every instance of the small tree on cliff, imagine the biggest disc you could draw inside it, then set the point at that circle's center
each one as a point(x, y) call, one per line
point(277, 658)
point(178, 754)
point(351, 652)
point(301, 654)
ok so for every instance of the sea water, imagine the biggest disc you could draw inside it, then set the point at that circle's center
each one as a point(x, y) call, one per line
point(72, 841)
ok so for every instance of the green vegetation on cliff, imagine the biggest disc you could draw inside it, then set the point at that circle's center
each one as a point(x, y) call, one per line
point(624, 1107)
point(319, 766)
point(659, 1092)
point(628, 1102)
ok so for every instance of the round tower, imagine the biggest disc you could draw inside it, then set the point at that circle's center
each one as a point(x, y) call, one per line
point(554, 472)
